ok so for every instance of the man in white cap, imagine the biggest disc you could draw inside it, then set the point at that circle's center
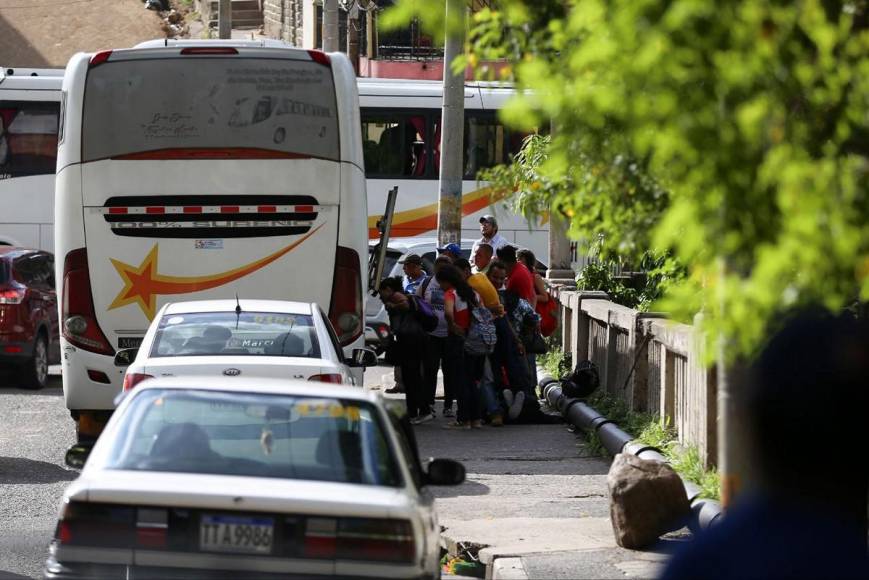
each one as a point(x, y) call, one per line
point(489, 230)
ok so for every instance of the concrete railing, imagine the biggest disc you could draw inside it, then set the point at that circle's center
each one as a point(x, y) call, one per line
point(652, 364)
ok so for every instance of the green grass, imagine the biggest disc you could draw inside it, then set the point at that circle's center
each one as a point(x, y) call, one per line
point(556, 362)
point(652, 430)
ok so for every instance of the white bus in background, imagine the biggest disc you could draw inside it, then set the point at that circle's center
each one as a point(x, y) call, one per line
point(201, 170)
point(29, 113)
point(401, 141)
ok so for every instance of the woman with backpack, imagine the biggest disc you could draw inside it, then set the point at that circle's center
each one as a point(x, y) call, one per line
point(467, 368)
point(410, 344)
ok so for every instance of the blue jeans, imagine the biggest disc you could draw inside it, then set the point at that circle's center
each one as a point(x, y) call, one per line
point(491, 404)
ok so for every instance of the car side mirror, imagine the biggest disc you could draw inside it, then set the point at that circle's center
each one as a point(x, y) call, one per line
point(125, 357)
point(445, 472)
point(363, 357)
point(77, 455)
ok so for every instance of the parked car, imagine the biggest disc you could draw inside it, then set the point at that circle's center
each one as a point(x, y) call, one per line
point(258, 338)
point(29, 332)
point(222, 477)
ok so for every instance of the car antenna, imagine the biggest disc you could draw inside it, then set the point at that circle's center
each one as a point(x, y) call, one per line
point(237, 310)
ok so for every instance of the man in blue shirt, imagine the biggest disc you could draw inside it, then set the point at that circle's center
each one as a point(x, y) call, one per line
point(414, 275)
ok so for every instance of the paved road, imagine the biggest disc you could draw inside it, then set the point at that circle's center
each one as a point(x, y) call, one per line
point(35, 432)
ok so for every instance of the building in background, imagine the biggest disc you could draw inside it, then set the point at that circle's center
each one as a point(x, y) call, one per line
point(407, 53)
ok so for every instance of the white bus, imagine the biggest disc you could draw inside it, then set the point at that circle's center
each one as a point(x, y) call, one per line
point(29, 112)
point(401, 142)
point(198, 170)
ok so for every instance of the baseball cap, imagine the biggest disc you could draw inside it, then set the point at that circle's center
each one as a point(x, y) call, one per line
point(489, 219)
point(453, 249)
point(411, 259)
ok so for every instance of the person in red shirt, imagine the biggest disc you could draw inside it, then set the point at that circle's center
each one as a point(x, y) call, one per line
point(521, 282)
point(519, 277)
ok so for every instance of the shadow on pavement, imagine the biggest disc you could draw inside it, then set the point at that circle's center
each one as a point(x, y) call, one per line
point(21, 470)
point(9, 384)
point(467, 488)
point(4, 575)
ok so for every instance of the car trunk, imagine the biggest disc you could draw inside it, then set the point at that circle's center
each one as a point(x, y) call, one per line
point(246, 366)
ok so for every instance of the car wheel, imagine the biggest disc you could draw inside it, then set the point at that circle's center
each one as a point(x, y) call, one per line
point(34, 374)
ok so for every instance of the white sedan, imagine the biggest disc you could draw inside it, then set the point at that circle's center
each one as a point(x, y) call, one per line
point(259, 338)
point(221, 477)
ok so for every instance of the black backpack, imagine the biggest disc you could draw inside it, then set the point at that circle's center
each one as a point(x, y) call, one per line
point(582, 382)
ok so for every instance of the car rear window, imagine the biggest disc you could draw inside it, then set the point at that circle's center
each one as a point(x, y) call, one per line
point(148, 105)
point(4, 271)
point(244, 334)
point(258, 435)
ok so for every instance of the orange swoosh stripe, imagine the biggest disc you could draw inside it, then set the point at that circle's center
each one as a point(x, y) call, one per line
point(144, 283)
point(419, 220)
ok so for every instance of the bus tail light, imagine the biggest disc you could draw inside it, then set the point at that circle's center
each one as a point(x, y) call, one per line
point(345, 312)
point(327, 378)
point(133, 379)
point(320, 57)
point(100, 57)
point(79, 320)
point(212, 50)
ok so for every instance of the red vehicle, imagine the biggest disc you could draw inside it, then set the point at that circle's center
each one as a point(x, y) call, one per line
point(29, 338)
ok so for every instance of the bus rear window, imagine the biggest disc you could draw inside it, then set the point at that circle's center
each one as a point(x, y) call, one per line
point(193, 104)
point(28, 138)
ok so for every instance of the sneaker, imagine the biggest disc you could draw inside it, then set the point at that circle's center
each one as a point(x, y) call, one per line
point(476, 424)
point(394, 390)
point(422, 419)
point(496, 421)
point(508, 397)
point(457, 425)
point(448, 412)
point(516, 405)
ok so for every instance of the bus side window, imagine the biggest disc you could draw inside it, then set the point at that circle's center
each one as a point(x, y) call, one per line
point(395, 145)
point(28, 139)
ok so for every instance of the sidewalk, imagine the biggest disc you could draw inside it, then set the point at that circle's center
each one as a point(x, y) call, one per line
point(534, 504)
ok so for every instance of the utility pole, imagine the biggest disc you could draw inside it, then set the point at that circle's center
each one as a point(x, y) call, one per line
point(224, 19)
point(452, 131)
point(330, 26)
point(353, 37)
point(370, 34)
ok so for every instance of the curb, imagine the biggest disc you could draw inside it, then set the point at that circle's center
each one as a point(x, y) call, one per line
point(506, 569)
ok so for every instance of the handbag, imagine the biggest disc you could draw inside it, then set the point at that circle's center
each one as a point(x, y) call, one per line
point(424, 312)
point(547, 311)
point(535, 343)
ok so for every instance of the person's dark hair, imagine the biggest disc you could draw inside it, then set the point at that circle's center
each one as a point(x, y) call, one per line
point(487, 248)
point(462, 264)
point(507, 254)
point(528, 258)
point(395, 284)
point(511, 300)
point(443, 259)
point(497, 264)
point(452, 275)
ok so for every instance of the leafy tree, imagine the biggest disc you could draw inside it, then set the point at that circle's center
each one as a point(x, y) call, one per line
point(743, 126)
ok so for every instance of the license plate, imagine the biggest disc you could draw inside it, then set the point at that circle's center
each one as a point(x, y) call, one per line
point(130, 341)
point(236, 534)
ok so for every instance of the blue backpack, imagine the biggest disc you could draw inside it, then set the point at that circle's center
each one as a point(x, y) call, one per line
point(481, 336)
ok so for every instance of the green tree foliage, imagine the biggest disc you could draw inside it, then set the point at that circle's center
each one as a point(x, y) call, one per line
point(745, 124)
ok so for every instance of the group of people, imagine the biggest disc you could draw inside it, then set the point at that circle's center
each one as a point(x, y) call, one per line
point(478, 322)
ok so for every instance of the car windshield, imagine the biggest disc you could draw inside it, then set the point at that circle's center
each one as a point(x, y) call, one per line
point(256, 435)
point(244, 334)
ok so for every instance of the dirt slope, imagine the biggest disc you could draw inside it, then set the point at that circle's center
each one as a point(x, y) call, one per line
point(45, 33)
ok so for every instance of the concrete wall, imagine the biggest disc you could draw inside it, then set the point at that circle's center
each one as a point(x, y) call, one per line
point(654, 365)
point(282, 19)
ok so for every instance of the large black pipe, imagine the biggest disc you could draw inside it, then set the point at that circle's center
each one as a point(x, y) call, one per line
point(613, 438)
point(704, 512)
